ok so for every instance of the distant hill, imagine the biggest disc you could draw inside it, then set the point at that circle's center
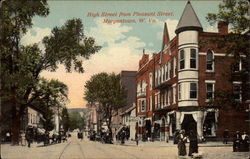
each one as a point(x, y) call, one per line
point(82, 111)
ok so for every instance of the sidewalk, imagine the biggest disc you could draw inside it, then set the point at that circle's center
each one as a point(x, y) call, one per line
point(170, 144)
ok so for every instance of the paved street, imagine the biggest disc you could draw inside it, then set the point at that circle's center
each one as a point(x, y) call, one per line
point(76, 149)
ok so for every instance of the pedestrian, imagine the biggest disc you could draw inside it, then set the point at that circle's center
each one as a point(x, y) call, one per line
point(23, 143)
point(225, 136)
point(136, 139)
point(245, 142)
point(236, 142)
point(28, 137)
point(181, 143)
point(167, 136)
point(59, 138)
point(46, 138)
point(193, 145)
point(8, 138)
point(176, 135)
point(123, 135)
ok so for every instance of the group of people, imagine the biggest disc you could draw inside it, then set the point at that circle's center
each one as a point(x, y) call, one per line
point(123, 134)
point(28, 136)
point(106, 137)
point(80, 135)
point(240, 142)
point(182, 139)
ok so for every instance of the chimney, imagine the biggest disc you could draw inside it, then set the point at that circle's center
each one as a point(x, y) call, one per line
point(223, 27)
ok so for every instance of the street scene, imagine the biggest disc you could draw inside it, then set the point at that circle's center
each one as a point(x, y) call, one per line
point(125, 79)
point(77, 149)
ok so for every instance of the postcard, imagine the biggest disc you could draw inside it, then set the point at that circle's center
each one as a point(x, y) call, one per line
point(125, 79)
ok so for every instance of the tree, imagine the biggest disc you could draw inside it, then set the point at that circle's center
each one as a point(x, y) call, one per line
point(76, 121)
point(236, 43)
point(106, 89)
point(64, 46)
point(53, 96)
point(65, 119)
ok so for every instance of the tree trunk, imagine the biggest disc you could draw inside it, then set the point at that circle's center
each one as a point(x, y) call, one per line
point(15, 129)
point(109, 124)
point(15, 125)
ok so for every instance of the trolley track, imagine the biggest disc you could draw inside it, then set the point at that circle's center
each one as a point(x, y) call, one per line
point(64, 149)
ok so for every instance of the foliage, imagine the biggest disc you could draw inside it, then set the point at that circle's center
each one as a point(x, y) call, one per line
point(66, 45)
point(233, 12)
point(65, 119)
point(76, 121)
point(48, 123)
point(53, 95)
point(105, 89)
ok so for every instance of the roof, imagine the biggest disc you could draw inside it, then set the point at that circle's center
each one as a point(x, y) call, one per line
point(128, 110)
point(188, 20)
point(165, 40)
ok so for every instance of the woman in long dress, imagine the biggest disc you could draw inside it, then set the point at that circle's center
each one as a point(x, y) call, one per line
point(181, 143)
point(193, 145)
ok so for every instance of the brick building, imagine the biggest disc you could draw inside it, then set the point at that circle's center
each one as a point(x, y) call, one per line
point(128, 82)
point(175, 87)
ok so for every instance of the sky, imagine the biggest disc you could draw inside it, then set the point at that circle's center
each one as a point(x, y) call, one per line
point(122, 43)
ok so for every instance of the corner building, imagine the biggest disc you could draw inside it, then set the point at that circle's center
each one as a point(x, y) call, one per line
point(176, 86)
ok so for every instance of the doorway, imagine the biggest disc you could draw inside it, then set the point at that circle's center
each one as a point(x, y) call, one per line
point(189, 124)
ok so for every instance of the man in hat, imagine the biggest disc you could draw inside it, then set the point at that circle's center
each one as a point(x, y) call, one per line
point(236, 142)
point(245, 142)
point(181, 143)
point(225, 136)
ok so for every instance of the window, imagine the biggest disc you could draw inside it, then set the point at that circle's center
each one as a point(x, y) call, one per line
point(182, 59)
point(150, 81)
point(151, 103)
point(174, 94)
point(166, 97)
point(138, 104)
point(210, 90)
point(237, 92)
point(156, 77)
point(166, 69)
point(174, 69)
point(163, 73)
point(169, 95)
point(237, 66)
point(156, 101)
point(179, 91)
point(159, 76)
point(144, 86)
point(210, 62)
point(193, 58)
point(31, 120)
point(193, 90)
point(170, 70)
point(143, 105)
point(162, 100)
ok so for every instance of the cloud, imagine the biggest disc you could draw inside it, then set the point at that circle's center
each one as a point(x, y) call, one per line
point(171, 24)
point(35, 35)
point(119, 52)
point(150, 44)
point(211, 29)
point(108, 33)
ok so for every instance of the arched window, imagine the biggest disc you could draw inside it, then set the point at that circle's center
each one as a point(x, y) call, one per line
point(210, 60)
